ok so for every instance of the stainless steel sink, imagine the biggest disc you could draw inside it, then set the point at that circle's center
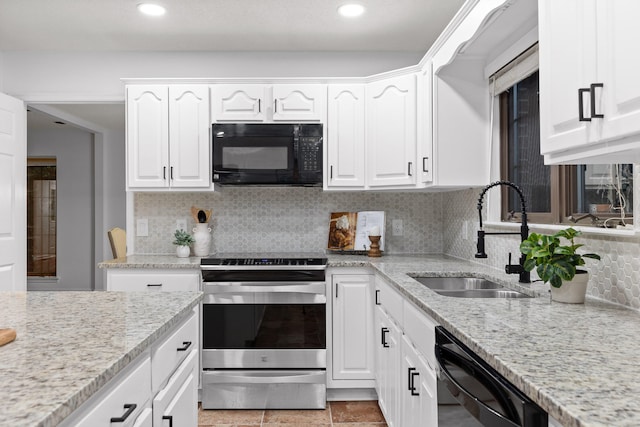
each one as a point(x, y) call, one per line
point(468, 287)
point(483, 293)
point(457, 283)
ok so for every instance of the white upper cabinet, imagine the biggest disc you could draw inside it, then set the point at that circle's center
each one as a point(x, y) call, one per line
point(189, 147)
point(425, 125)
point(260, 103)
point(168, 136)
point(345, 136)
point(589, 93)
point(298, 102)
point(236, 102)
point(391, 131)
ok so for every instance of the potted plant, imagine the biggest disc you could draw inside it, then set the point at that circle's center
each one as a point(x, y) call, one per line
point(556, 263)
point(182, 240)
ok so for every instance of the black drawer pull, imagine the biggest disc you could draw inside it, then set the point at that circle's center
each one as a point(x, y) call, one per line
point(170, 418)
point(185, 346)
point(412, 382)
point(384, 337)
point(581, 116)
point(130, 407)
point(154, 285)
point(377, 296)
point(592, 89)
point(424, 164)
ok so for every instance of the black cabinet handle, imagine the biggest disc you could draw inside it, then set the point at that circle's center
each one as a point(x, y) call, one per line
point(384, 337)
point(412, 381)
point(170, 418)
point(259, 106)
point(154, 285)
point(331, 172)
point(130, 407)
point(409, 169)
point(377, 296)
point(336, 289)
point(164, 172)
point(581, 116)
point(171, 173)
point(185, 346)
point(424, 164)
point(275, 105)
point(592, 90)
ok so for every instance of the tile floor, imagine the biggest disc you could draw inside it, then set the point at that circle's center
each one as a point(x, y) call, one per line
point(338, 414)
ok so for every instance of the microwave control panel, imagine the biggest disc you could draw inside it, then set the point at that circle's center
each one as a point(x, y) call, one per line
point(310, 153)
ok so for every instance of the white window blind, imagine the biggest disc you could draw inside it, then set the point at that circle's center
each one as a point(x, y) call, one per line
point(520, 68)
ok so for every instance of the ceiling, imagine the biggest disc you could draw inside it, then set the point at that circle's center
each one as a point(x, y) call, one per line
point(215, 25)
point(222, 25)
point(93, 116)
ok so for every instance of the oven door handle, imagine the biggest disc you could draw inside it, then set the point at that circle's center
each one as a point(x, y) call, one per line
point(471, 403)
point(265, 287)
point(279, 377)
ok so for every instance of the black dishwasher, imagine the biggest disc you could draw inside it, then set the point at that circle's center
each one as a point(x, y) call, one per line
point(472, 394)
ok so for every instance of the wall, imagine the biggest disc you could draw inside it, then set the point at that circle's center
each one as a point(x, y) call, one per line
point(73, 149)
point(68, 76)
point(615, 278)
point(292, 219)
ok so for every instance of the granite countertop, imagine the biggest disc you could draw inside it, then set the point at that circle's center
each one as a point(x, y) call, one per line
point(69, 344)
point(578, 362)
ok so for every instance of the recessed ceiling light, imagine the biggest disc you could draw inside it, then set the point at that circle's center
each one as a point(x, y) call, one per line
point(151, 9)
point(351, 10)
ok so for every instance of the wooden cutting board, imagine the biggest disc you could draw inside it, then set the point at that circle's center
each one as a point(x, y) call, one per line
point(7, 335)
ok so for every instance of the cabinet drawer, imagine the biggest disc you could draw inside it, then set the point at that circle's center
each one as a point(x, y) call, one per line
point(420, 329)
point(132, 390)
point(389, 299)
point(152, 280)
point(170, 352)
point(177, 403)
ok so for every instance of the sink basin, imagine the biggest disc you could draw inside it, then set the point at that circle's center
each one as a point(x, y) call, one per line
point(483, 293)
point(468, 287)
point(457, 283)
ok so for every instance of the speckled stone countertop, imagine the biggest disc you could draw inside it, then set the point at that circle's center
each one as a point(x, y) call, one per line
point(69, 344)
point(578, 362)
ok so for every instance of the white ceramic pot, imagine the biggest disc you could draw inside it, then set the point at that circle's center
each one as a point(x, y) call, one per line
point(182, 251)
point(202, 236)
point(573, 291)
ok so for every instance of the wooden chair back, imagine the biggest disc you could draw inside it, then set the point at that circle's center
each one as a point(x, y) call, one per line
point(118, 240)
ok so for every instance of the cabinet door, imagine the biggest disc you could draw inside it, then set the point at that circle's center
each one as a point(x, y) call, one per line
point(189, 136)
point(238, 103)
point(177, 403)
point(345, 136)
point(424, 161)
point(419, 400)
point(567, 63)
point(147, 136)
point(618, 32)
point(298, 102)
point(388, 367)
point(391, 131)
point(353, 346)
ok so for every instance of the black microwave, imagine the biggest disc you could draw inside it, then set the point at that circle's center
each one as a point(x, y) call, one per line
point(267, 154)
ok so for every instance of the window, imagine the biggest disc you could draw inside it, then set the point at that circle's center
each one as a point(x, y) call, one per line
point(41, 217)
point(598, 195)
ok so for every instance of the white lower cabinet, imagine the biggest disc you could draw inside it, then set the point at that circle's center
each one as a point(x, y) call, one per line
point(419, 387)
point(353, 344)
point(135, 279)
point(176, 404)
point(406, 380)
point(142, 395)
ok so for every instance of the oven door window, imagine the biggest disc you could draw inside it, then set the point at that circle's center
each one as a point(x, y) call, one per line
point(264, 326)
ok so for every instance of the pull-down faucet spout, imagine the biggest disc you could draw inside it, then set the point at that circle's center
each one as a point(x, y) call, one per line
point(525, 276)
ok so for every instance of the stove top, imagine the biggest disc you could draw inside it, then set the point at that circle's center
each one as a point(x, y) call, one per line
point(267, 261)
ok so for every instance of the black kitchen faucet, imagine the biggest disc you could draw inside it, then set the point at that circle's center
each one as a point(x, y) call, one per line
point(525, 276)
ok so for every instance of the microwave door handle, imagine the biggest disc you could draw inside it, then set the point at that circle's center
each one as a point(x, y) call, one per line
point(470, 402)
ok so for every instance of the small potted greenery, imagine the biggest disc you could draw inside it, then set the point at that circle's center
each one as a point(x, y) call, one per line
point(182, 240)
point(556, 263)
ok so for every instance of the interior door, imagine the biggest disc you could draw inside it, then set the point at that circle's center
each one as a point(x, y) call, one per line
point(13, 192)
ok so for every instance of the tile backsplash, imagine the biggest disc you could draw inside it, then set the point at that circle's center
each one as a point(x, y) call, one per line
point(288, 219)
point(295, 219)
point(615, 278)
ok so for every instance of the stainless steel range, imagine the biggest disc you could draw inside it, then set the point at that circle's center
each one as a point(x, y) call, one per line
point(264, 333)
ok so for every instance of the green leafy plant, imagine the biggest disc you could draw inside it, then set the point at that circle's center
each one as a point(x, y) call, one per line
point(182, 238)
point(554, 262)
